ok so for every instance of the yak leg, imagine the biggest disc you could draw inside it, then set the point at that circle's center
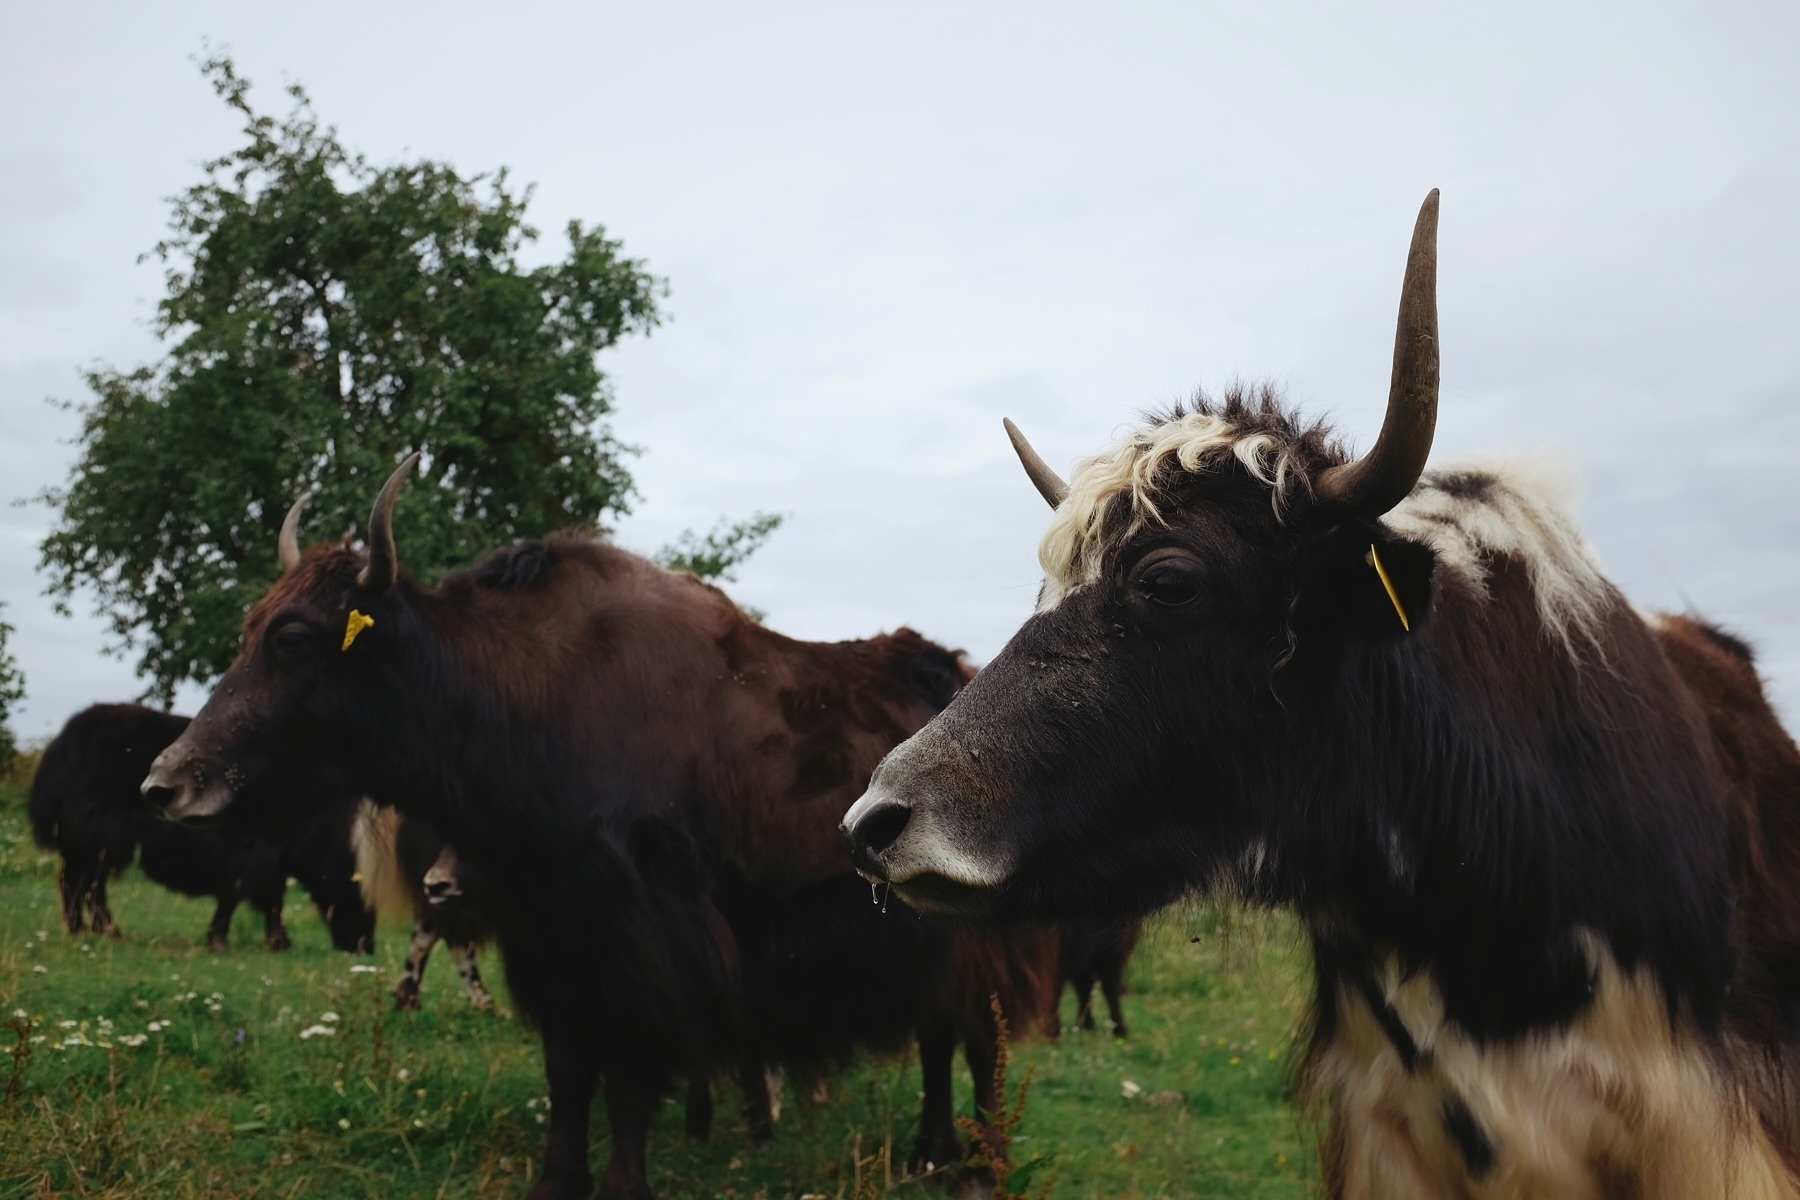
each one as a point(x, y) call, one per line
point(463, 955)
point(981, 1048)
point(759, 1117)
point(218, 934)
point(571, 1070)
point(699, 1108)
point(73, 887)
point(275, 934)
point(406, 992)
point(1111, 985)
point(629, 1105)
point(1084, 1000)
point(937, 1144)
point(96, 896)
point(103, 919)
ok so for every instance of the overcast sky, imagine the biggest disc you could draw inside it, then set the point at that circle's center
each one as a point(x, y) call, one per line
point(887, 226)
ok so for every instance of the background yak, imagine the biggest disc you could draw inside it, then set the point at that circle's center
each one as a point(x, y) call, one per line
point(85, 806)
point(405, 868)
point(632, 762)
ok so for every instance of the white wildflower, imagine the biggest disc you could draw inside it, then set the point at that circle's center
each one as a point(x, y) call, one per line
point(316, 1031)
point(330, 1018)
point(39, 969)
point(1132, 1089)
point(364, 969)
point(343, 1122)
point(132, 1039)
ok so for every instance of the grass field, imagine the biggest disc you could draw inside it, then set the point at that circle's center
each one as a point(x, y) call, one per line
point(148, 1067)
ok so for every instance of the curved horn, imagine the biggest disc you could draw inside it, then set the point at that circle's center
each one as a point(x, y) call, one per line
point(1381, 478)
point(1048, 483)
point(384, 560)
point(288, 548)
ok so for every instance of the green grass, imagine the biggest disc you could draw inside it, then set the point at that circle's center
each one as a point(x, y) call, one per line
point(228, 1100)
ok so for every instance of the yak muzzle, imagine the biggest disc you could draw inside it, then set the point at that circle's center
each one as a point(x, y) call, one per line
point(181, 790)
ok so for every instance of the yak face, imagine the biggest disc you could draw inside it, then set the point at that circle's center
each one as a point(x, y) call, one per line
point(1203, 580)
point(1129, 742)
point(283, 701)
point(303, 692)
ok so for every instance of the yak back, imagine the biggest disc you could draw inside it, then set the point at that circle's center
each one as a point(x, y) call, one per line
point(1762, 768)
point(678, 712)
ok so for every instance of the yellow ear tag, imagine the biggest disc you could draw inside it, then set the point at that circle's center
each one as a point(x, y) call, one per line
point(1374, 560)
point(360, 621)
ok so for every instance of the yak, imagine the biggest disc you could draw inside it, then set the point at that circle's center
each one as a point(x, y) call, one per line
point(405, 867)
point(1093, 952)
point(648, 777)
point(1544, 846)
point(85, 805)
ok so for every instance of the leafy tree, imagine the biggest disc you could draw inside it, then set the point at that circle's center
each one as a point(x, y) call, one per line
point(325, 316)
point(12, 690)
point(721, 552)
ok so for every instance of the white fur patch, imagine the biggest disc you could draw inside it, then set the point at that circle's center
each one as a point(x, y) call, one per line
point(1619, 1103)
point(1517, 511)
point(1070, 552)
point(1521, 511)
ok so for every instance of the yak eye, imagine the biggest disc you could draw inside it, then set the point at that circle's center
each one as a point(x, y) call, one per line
point(1169, 584)
point(292, 641)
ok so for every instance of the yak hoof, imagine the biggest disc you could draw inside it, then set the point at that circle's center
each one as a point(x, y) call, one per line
point(218, 943)
point(406, 1000)
point(278, 940)
point(935, 1154)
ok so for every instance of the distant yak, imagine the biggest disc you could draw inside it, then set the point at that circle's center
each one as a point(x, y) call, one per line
point(85, 806)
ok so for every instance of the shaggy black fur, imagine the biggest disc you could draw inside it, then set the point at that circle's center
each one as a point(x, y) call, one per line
point(85, 806)
point(1468, 797)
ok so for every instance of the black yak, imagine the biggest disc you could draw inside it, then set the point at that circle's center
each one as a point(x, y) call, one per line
point(1544, 846)
point(85, 806)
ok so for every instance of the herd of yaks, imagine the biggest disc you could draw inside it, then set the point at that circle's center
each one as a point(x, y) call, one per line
point(1546, 849)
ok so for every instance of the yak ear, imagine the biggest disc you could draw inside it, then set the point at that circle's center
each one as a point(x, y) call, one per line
point(1360, 581)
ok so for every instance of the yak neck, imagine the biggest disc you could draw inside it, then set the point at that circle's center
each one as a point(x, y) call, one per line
point(1507, 805)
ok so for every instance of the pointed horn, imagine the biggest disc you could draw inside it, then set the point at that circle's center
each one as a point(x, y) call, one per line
point(384, 560)
point(1381, 478)
point(1048, 483)
point(288, 547)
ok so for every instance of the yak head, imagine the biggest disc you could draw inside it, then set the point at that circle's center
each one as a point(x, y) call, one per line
point(1204, 579)
point(305, 691)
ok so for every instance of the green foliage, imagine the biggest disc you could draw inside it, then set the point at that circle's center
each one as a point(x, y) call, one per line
point(324, 317)
point(719, 554)
point(12, 690)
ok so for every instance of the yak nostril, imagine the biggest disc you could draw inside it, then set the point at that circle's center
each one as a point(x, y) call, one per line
point(882, 827)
